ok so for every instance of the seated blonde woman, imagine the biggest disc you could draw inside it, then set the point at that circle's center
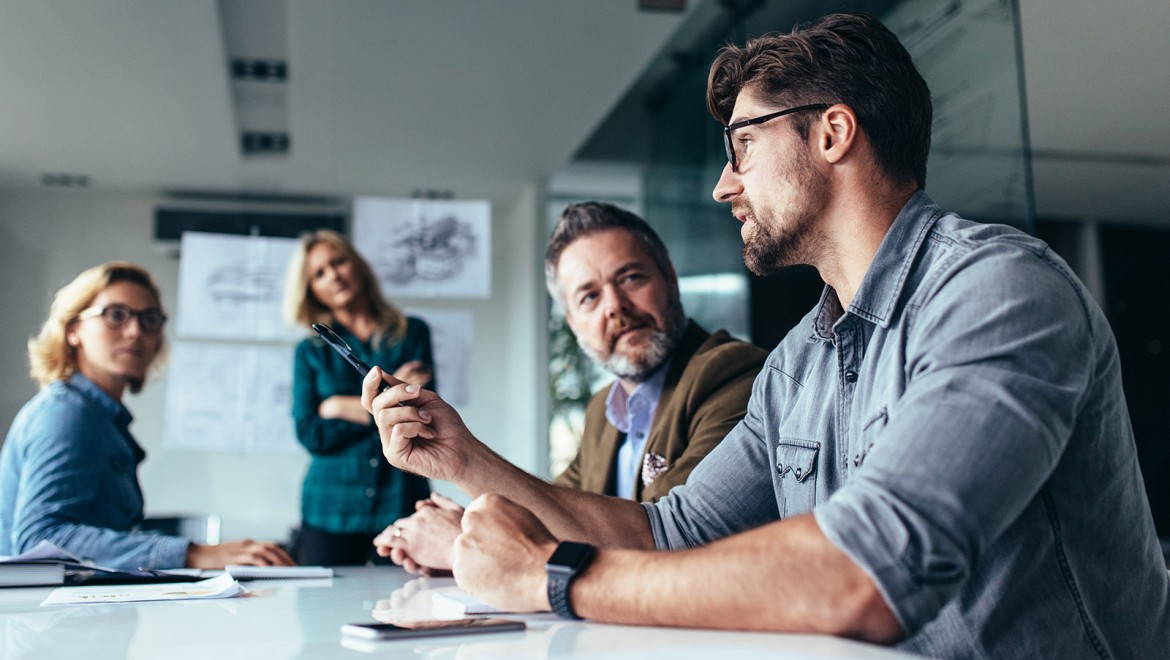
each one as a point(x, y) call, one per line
point(68, 469)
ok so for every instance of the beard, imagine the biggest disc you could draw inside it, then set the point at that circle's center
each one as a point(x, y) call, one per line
point(796, 239)
point(637, 368)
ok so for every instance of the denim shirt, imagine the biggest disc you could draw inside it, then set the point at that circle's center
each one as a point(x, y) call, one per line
point(961, 433)
point(633, 414)
point(68, 474)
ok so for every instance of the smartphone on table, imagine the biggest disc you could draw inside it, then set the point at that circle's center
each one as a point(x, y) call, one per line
point(440, 628)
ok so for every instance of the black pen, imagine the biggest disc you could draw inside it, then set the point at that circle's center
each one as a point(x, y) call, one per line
point(338, 344)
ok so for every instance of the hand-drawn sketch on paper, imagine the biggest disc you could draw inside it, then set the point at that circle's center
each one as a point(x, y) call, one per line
point(231, 287)
point(426, 248)
point(230, 398)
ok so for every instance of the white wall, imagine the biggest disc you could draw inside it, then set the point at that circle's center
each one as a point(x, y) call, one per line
point(48, 238)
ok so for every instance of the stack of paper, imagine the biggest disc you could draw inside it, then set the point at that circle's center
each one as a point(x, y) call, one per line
point(217, 587)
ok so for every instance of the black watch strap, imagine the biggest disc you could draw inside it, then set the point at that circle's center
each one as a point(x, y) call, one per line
point(564, 565)
point(558, 594)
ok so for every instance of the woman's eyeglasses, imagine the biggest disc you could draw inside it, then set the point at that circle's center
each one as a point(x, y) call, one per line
point(150, 320)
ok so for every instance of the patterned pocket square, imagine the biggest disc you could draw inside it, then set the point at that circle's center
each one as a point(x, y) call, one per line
point(653, 465)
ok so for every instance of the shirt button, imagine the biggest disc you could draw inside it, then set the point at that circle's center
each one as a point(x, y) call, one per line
point(370, 492)
point(850, 376)
point(373, 462)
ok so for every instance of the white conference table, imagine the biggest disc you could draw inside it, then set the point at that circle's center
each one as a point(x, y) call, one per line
point(302, 619)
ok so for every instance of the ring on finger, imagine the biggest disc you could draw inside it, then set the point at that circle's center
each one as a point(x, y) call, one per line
point(397, 532)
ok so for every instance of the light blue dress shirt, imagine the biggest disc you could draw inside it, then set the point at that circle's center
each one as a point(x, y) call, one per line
point(960, 431)
point(69, 474)
point(633, 414)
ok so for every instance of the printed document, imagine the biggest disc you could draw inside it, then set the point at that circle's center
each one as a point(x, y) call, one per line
point(223, 586)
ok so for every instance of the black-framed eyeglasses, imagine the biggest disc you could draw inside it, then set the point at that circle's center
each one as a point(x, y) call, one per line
point(728, 145)
point(151, 320)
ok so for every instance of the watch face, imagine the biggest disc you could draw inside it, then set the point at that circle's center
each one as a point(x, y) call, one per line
point(570, 555)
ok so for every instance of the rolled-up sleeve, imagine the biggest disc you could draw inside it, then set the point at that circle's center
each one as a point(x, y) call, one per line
point(994, 379)
point(729, 491)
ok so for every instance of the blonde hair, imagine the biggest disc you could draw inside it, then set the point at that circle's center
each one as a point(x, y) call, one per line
point(50, 356)
point(301, 307)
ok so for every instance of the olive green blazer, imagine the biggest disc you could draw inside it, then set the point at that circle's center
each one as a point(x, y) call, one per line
point(704, 395)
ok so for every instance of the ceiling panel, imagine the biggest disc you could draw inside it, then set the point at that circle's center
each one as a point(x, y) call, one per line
point(478, 98)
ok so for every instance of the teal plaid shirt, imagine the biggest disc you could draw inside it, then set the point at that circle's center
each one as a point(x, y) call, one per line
point(349, 487)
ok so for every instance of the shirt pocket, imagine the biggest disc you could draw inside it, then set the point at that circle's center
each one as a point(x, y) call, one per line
point(796, 475)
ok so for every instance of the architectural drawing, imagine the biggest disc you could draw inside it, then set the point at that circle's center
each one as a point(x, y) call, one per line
point(426, 248)
point(229, 398)
point(435, 251)
point(230, 287)
point(237, 285)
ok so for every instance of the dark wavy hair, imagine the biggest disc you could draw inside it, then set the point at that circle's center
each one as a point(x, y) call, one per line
point(841, 58)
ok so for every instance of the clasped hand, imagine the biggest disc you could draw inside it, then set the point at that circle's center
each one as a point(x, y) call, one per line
point(422, 542)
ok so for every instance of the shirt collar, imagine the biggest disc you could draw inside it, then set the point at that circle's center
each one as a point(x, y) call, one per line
point(97, 396)
point(617, 404)
point(886, 276)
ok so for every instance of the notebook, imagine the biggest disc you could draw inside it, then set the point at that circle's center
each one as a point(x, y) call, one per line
point(50, 564)
point(278, 572)
point(31, 574)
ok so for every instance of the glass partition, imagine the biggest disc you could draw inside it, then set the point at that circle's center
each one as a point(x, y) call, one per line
point(969, 53)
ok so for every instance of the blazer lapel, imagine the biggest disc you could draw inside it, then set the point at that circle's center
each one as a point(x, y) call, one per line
point(656, 443)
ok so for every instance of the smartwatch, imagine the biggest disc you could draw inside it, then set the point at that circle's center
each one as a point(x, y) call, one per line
point(566, 562)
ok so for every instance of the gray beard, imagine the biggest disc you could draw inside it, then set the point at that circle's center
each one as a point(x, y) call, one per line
point(662, 345)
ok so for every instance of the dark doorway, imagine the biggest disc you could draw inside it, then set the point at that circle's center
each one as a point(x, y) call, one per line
point(780, 300)
point(1136, 265)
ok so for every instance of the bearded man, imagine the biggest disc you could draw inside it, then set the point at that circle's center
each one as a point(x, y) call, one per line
point(679, 389)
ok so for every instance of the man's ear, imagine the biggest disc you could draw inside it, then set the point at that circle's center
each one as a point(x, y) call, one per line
point(838, 131)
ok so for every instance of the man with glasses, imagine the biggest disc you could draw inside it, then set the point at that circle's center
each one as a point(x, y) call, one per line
point(938, 456)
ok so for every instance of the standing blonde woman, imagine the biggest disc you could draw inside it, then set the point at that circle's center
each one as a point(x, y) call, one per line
point(350, 492)
point(68, 470)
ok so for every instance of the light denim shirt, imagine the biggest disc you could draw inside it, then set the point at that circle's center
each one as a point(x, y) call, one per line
point(961, 433)
point(68, 474)
point(633, 414)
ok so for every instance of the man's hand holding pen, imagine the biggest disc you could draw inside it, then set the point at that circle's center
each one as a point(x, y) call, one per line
point(420, 432)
